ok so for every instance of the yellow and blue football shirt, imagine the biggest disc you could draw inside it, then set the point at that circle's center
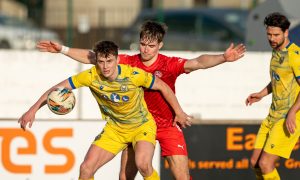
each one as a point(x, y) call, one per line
point(284, 72)
point(121, 101)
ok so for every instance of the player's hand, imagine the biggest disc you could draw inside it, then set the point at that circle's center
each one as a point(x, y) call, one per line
point(234, 53)
point(49, 46)
point(26, 118)
point(252, 98)
point(183, 120)
point(290, 122)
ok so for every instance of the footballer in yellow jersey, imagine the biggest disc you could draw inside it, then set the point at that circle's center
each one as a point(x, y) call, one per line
point(280, 130)
point(121, 101)
point(284, 72)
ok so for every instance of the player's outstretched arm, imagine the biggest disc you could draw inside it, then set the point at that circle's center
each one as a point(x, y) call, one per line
point(81, 55)
point(255, 97)
point(181, 117)
point(29, 116)
point(205, 61)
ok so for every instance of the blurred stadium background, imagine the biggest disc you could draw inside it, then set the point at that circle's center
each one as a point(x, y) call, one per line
point(221, 140)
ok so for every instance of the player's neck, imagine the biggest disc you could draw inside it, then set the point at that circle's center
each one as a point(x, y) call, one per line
point(150, 61)
point(284, 45)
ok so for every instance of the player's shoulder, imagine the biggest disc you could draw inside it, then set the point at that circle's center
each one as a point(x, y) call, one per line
point(294, 50)
point(171, 59)
point(129, 57)
point(128, 69)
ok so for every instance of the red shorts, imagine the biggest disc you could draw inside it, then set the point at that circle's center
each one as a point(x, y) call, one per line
point(171, 141)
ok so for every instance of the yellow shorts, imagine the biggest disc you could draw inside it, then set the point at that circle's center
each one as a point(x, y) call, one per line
point(274, 138)
point(115, 141)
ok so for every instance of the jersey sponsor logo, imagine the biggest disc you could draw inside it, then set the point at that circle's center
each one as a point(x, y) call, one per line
point(124, 88)
point(104, 97)
point(158, 74)
point(122, 80)
point(275, 76)
point(125, 98)
point(115, 97)
point(281, 59)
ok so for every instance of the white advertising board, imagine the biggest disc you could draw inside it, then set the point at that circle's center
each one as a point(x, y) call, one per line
point(52, 150)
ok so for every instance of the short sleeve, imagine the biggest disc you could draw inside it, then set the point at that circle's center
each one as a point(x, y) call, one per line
point(176, 65)
point(82, 79)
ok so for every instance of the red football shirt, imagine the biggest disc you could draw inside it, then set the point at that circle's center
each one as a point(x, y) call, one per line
point(167, 69)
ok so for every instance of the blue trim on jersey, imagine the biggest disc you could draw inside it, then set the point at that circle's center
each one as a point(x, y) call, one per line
point(71, 83)
point(298, 77)
point(152, 82)
point(119, 69)
point(289, 44)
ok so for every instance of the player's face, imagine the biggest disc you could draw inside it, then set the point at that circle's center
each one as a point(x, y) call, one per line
point(149, 49)
point(277, 37)
point(108, 66)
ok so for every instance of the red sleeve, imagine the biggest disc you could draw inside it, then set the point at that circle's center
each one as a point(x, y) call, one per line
point(176, 64)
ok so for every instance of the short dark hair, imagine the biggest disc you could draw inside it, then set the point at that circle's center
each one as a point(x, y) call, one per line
point(106, 48)
point(277, 20)
point(152, 30)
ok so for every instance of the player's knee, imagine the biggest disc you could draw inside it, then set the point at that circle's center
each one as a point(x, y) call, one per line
point(265, 166)
point(144, 168)
point(85, 170)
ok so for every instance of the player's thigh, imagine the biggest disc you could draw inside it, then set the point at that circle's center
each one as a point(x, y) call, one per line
point(280, 142)
point(144, 152)
point(255, 157)
point(110, 140)
point(128, 160)
point(178, 161)
point(172, 142)
point(263, 134)
point(97, 157)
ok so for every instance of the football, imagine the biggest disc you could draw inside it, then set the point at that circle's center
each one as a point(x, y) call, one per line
point(61, 101)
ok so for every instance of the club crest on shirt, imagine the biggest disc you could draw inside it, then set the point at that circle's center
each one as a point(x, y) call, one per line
point(124, 88)
point(180, 60)
point(158, 74)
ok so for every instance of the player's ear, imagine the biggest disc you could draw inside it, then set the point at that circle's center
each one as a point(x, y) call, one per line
point(118, 59)
point(286, 33)
point(161, 44)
